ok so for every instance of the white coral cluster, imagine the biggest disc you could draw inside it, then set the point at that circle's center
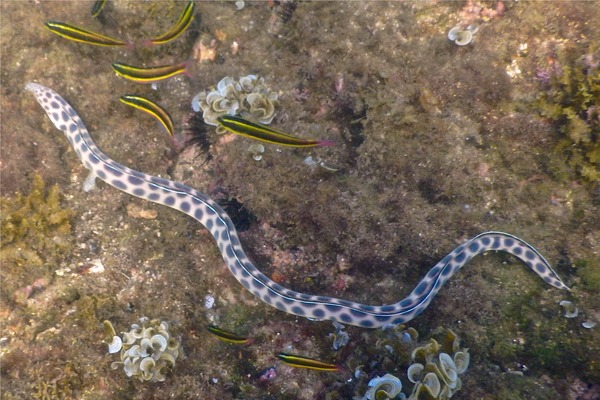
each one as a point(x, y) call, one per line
point(147, 350)
point(247, 96)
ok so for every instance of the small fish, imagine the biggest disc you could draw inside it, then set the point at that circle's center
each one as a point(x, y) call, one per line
point(256, 131)
point(81, 35)
point(228, 337)
point(150, 74)
point(184, 21)
point(148, 106)
point(305, 362)
point(97, 7)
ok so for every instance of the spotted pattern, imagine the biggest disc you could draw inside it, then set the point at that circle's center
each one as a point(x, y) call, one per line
point(208, 213)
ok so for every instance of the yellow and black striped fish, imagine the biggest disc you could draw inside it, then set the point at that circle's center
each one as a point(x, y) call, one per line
point(97, 7)
point(149, 74)
point(243, 127)
point(150, 107)
point(228, 337)
point(182, 24)
point(309, 363)
point(81, 35)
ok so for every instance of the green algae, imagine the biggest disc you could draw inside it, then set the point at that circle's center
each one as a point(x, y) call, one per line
point(589, 272)
point(551, 344)
point(36, 233)
point(516, 386)
point(572, 102)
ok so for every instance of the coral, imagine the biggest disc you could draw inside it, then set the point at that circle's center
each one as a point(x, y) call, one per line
point(36, 232)
point(571, 100)
point(147, 351)
point(249, 97)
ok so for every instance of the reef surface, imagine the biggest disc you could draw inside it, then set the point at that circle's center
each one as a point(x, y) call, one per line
point(435, 144)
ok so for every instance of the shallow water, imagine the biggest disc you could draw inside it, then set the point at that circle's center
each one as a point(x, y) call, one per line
point(435, 144)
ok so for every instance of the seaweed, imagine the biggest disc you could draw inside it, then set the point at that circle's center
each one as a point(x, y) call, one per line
point(571, 100)
point(36, 233)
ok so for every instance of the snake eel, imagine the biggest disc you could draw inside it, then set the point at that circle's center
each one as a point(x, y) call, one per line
point(206, 211)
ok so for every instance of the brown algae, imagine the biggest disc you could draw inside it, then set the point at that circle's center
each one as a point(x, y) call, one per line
point(36, 235)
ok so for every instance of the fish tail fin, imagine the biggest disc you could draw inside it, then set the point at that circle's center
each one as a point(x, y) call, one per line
point(323, 143)
point(188, 66)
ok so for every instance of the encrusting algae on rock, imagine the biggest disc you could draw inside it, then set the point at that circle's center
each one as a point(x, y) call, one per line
point(359, 169)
